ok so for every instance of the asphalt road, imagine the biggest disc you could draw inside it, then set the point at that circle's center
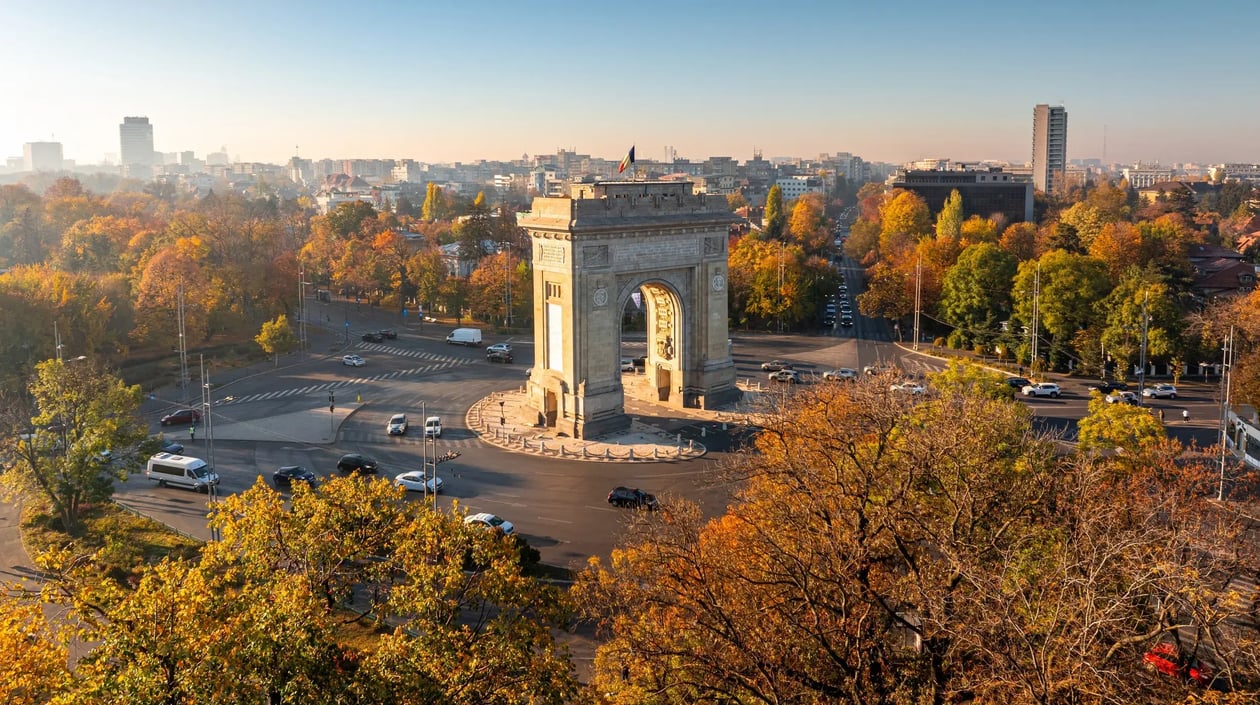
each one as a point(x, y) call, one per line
point(558, 505)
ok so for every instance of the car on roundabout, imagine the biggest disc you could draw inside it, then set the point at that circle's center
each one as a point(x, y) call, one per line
point(1109, 387)
point(286, 475)
point(388, 333)
point(909, 387)
point(357, 463)
point(502, 356)
point(372, 337)
point(397, 425)
point(414, 481)
point(632, 497)
point(840, 374)
point(499, 347)
point(352, 360)
point(1124, 397)
point(785, 376)
point(1042, 389)
point(775, 366)
point(627, 364)
point(433, 427)
point(1160, 391)
point(183, 416)
point(490, 521)
point(1018, 382)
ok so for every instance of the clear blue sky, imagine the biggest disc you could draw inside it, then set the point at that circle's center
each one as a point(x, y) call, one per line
point(447, 81)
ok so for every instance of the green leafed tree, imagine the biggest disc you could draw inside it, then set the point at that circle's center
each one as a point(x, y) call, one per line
point(776, 216)
point(277, 338)
point(1131, 430)
point(73, 436)
point(949, 220)
point(432, 209)
point(976, 293)
point(1066, 288)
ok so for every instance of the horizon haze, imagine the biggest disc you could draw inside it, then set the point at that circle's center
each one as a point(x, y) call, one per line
point(495, 80)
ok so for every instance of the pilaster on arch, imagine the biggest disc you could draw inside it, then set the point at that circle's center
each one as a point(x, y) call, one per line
point(591, 252)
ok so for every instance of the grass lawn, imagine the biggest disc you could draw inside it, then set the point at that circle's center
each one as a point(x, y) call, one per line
point(120, 542)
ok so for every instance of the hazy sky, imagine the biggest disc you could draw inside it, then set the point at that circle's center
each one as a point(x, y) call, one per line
point(450, 80)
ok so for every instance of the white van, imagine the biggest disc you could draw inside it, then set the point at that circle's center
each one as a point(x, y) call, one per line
point(182, 471)
point(465, 336)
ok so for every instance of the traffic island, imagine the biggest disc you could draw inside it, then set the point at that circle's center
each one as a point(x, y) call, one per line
point(497, 420)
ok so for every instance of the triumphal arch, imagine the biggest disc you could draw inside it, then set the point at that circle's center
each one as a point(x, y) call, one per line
point(591, 253)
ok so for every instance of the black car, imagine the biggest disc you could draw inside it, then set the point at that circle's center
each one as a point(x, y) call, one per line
point(1018, 382)
point(373, 337)
point(183, 416)
point(498, 356)
point(173, 447)
point(289, 474)
point(1109, 387)
point(353, 462)
point(628, 497)
point(389, 334)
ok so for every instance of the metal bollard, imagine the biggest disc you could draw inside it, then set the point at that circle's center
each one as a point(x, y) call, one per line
point(631, 456)
point(703, 429)
point(542, 447)
point(584, 453)
point(723, 425)
point(608, 453)
point(656, 453)
point(691, 445)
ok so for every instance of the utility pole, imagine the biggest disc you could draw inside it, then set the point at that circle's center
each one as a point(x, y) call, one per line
point(780, 306)
point(183, 344)
point(302, 310)
point(1142, 356)
point(57, 338)
point(1035, 312)
point(207, 401)
point(507, 279)
point(918, 297)
point(1227, 364)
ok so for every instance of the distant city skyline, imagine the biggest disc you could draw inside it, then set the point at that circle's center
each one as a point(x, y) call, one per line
point(494, 80)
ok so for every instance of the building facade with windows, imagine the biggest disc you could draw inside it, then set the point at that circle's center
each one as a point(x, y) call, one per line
point(1049, 153)
point(985, 192)
point(42, 156)
point(135, 137)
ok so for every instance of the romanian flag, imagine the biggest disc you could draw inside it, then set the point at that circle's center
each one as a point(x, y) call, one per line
point(626, 161)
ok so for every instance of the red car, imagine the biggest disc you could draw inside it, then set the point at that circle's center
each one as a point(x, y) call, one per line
point(1165, 658)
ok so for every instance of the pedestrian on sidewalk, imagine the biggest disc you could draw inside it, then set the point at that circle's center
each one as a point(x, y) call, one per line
point(1185, 415)
point(1161, 416)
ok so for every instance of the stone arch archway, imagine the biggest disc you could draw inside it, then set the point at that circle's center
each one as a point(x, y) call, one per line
point(591, 252)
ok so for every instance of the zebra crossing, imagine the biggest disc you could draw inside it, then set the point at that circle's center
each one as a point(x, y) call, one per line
point(330, 386)
point(418, 354)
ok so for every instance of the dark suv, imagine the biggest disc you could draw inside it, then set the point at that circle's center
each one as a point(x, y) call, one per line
point(353, 462)
point(183, 416)
point(627, 497)
point(373, 337)
point(499, 356)
point(389, 334)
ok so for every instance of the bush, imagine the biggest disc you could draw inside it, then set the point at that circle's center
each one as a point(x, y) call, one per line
point(957, 340)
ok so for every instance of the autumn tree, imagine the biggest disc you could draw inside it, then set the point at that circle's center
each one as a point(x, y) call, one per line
point(886, 294)
point(474, 233)
point(488, 288)
point(433, 207)
point(33, 670)
point(809, 225)
point(77, 415)
point(904, 218)
point(1132, 430)
point(1020, 241)
point(886, 550)
point(276, 337)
